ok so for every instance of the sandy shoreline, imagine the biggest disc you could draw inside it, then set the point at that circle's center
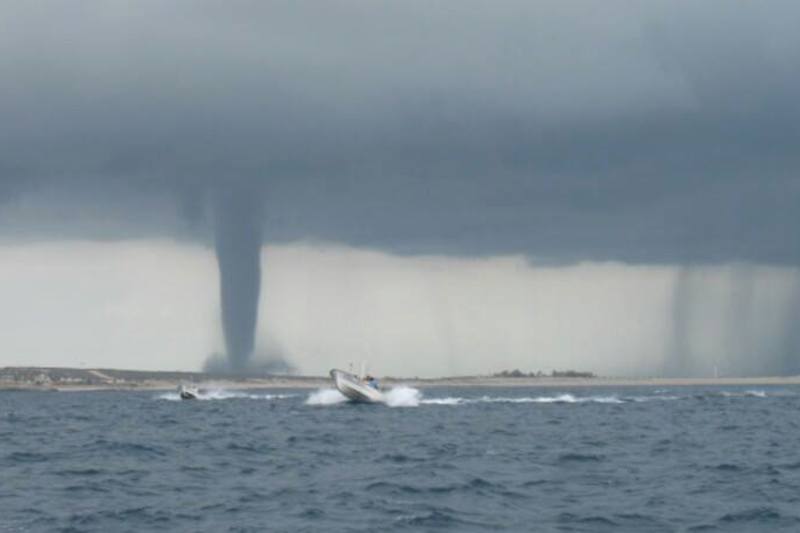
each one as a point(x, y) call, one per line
point(319, 382)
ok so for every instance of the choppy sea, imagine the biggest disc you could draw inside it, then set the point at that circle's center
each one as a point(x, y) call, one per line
point(591, 460)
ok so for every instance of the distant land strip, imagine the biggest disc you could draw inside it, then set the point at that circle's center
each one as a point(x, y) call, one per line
point(85, 379)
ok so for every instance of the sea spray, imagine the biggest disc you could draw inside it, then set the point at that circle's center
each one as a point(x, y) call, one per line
point(559, 399)
point(443, 401)
point(325, 397)
point(403, 396)
point(221, 394)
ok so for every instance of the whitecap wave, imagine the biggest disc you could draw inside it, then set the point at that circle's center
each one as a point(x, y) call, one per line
point(745, 394)
point(605, 399)
point(654, 398)
point(561, 398)
point(443, 401)
point(739, 394)
point(325, 397)
point(221, 394)
point(403, 396)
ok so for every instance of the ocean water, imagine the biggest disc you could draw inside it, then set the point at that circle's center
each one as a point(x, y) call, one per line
point(593, 460)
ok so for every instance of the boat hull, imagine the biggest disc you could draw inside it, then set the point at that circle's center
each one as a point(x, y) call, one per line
point(187, 393)
point(354, 388)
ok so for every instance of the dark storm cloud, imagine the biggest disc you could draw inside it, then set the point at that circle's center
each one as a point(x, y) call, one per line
point(638, 131)
point(664, 131)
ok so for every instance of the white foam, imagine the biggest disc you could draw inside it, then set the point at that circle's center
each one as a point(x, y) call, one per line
point(171, 396)
point(403, 396)
point(561, 398)
point(745, 394)
point(221, 394)
point(653, 398)
point(605, 399)
point(325, 397)
point(443, 401)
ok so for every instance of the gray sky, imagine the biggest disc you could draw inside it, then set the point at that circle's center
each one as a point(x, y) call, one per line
point(653, 132)
point(647, 133)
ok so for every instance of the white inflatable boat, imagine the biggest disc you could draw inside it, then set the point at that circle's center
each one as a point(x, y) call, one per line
point(356, 388)
point(187, 392)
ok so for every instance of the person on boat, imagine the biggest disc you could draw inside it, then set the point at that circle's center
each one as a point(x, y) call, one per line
point(372, 382)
